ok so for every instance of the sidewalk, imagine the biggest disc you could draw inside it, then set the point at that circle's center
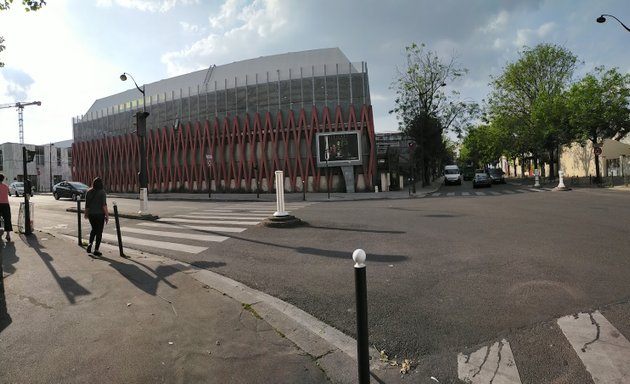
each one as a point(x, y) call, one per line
point(148, 319)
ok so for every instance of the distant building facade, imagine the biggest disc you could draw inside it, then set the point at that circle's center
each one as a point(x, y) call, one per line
point(230, 127)
point(52, 163)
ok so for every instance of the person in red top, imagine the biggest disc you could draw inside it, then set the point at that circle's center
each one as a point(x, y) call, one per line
point(5, 208)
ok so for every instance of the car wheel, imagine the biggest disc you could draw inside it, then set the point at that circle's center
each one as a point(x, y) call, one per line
point(56, 195)
point(74, 197)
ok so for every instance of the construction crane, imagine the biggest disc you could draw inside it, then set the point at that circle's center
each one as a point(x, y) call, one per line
point(20, 107)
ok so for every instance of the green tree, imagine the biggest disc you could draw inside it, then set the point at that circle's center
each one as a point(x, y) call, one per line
point(598, 107)
point(530, 91)
point(29, 5)
point(423, 109)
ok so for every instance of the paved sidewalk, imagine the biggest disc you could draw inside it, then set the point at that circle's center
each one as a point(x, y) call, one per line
point(78, 319)
point(75, 318)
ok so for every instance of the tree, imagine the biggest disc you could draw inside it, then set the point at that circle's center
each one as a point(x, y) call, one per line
point(423, 109)
point(530, 91)
point(598, 107)
point(29, 5)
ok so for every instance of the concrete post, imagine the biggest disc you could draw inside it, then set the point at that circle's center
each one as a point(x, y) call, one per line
point(280, 195)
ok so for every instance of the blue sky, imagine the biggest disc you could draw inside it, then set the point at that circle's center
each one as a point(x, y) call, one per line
point(73, 51)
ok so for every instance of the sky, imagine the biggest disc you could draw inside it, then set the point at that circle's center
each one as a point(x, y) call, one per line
point(72, 52)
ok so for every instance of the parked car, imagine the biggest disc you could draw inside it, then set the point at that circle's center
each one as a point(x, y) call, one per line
point(452, 175)
point(468, 173)
point(496, 175)
point(70, 189)
point(481, 179)
point(16, 188)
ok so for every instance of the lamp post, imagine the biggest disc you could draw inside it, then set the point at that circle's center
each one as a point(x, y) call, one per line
point(50, 164)
point(141, 132)
point(602, 19)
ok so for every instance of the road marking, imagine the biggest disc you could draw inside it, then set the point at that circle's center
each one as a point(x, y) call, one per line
point(535, 190)
point(206, 216)
point(156, 244)
point(228, 213)
point(191, 221)
point(509, 192)
point(465, 193)
point(493, 193)
point(436, 194)
point(494, 364)
point(176, 235)
point(601, 347)
point(450, 194)
point(480, 193)
point(195, 227)
point(521, 191)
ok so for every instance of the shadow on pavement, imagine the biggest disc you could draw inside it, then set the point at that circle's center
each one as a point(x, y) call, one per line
point(148, 282)
point(70, 288)
point(7, 251)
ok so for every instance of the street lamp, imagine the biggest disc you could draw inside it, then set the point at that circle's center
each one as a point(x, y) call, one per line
point(602, 19)
point(141, 132)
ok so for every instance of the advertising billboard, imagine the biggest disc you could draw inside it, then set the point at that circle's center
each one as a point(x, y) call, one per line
point(338, 148)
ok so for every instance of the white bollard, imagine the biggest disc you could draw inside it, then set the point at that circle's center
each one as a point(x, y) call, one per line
point(561, 183)
point(280, 195)
point(537, 179)
point(144, 201)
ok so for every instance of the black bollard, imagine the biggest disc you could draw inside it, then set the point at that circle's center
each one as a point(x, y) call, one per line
point(363, 357)
point(303, 190)
point(79, 222)
point(120, 244)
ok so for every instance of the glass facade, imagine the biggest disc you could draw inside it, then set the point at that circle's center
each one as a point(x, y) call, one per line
point(246, 95)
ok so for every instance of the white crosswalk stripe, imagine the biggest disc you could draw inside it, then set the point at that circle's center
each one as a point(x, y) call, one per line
point(493, 364)
point(193, 232)
point(601, 348)
point(488, 192)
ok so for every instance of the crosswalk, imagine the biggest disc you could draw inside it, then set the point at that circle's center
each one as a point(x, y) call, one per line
point(487, 192)
point(601, 348)
point(194, 232)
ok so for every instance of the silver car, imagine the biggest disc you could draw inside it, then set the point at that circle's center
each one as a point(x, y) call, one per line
point(481, 179)
point(16, 188)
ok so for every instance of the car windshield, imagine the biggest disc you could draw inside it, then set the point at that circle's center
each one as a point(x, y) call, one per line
point(451, 171)
point(496, 171)
point(78, 185)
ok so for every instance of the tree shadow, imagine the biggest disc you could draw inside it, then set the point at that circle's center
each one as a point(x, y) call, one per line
point(307, 250)
point(70, 288)
point(137, 274)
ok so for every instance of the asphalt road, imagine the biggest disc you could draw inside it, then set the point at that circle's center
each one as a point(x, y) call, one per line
point(446, 274)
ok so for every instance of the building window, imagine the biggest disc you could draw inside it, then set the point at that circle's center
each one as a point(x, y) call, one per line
point(59, 157)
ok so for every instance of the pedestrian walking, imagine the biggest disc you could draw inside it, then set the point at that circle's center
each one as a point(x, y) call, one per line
point(97, 213)
point(5, 208)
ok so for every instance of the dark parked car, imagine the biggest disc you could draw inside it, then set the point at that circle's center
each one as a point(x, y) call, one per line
point(468, 173)
point(496, 175)
point(70, 189)
point(481, 179)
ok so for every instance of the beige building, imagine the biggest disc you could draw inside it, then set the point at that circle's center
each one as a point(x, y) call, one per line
point(614, 159)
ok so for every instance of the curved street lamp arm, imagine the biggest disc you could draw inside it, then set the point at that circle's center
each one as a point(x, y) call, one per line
point(602, 19)
point(123, 77)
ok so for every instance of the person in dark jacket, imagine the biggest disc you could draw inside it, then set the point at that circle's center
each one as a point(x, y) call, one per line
point(97, 213)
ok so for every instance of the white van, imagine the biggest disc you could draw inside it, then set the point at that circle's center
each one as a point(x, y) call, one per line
point(452, 175)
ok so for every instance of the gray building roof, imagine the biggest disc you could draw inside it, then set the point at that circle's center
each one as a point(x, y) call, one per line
point(263, 69)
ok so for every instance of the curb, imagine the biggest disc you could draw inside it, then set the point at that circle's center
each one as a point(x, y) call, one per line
point(334, 351)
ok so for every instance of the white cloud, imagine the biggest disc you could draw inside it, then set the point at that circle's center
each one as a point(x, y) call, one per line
point(239, 23)
point(145, 5)
point(526, 37)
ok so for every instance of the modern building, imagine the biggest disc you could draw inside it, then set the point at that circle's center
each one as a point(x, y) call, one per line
point(230, 127)
point(51, 164)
